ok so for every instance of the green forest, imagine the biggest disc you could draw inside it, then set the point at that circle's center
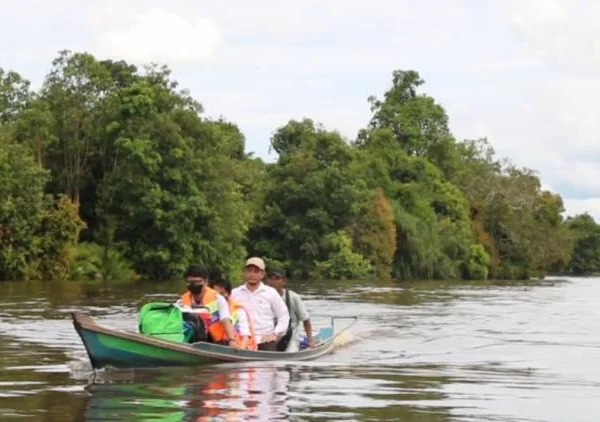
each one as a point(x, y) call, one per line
point(112, 171)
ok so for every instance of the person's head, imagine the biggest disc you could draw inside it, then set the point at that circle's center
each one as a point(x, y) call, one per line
point(196, 278)
point(214, 273)
point(276, 278)
point(254, 271)
point(223, 287)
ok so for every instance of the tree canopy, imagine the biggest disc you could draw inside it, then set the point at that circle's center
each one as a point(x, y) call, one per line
point(114, 170)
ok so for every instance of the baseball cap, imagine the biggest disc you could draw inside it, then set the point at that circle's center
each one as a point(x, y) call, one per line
point(279, 272)
point(257, 262)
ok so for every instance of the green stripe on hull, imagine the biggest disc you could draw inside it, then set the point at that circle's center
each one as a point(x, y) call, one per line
point(145, 350)
point(111, 350)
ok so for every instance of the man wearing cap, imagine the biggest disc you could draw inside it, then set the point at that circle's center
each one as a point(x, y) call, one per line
point(298, 312)
point(267, 309)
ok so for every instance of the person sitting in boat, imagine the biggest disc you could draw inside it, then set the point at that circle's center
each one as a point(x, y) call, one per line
point(218, 321)
point(214, 273)
point(264, 305)
point(242, 323)
point(276, 278)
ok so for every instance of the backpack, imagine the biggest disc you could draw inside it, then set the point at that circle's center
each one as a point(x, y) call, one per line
point(195, 328)
point(161, 320)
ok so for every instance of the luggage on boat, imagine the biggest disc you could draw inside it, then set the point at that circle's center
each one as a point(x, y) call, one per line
point(303, 342)
point(163, 321)
point(195, 327)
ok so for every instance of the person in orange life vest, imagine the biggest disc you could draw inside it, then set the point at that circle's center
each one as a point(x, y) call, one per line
point(214, 273)
point(219, 325)
point(242, 323)
point(265, 306)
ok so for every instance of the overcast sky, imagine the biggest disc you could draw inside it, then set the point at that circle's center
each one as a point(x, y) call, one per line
point(523, 73)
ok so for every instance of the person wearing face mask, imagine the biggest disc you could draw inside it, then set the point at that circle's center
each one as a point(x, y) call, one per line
point(217, 319)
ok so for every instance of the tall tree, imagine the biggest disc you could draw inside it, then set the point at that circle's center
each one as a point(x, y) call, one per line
point(586, 252)
point(374, 234)
point(419, 125)
point(170, 194)
point(431, 215)
point(14, 95)
point(74, 89)
point(37, 232)
point(311, 191)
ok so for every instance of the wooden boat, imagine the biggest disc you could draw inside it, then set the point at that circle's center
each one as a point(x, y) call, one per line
point(107, 347)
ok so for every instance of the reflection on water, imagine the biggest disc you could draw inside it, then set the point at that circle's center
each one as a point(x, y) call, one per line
point(265, 392)
point(230, 394)
point(422, 351)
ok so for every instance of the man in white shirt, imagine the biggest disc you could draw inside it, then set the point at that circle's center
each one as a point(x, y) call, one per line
point(270, 316)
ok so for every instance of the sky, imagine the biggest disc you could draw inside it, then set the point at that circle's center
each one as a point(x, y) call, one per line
point(521, 73)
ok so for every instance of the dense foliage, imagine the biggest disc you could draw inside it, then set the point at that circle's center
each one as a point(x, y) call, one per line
point(112, 171)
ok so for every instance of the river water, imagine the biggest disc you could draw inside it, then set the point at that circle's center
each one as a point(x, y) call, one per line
point(420, 351)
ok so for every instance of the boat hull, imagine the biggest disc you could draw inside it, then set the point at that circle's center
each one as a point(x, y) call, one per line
point(109, 350)
point(108, 347)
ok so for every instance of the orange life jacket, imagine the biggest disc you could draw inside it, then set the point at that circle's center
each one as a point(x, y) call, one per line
point(235, 308)
point(209, 300)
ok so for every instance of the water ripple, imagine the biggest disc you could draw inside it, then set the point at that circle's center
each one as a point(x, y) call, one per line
point(424, 351)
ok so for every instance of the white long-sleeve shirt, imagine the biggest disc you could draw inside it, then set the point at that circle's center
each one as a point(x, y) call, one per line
point(242, 323)
point(265, 306)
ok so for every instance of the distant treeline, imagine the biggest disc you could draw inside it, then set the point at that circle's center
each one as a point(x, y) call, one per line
point(114, 172)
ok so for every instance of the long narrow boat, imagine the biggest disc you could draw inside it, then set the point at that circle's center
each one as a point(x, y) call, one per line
point(107, 347)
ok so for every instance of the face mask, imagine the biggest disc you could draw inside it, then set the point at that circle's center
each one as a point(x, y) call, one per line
point(195, 288)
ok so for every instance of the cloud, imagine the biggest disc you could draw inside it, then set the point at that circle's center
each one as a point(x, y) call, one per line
point(563, 32)
point(157, 35)
point(522, 73)
point(560, 130)
point(32, 32)
point(575, 179)
point(576, 206)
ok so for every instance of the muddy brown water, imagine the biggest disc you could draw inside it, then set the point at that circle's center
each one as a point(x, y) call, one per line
point(420, 351)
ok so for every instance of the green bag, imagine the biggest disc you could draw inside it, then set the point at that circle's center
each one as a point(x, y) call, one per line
point(161, 320)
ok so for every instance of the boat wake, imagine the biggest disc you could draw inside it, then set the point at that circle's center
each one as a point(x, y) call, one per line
point(345, 338)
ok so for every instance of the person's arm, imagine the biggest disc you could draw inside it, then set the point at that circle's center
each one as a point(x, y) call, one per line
point(244, 328)
point(243, 324)
point(243, 344)
point(304, 316)
point(281, 313)
point(308, 329)
point(225, 317)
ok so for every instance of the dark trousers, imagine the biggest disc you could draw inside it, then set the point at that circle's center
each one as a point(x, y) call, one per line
point(270, 346)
